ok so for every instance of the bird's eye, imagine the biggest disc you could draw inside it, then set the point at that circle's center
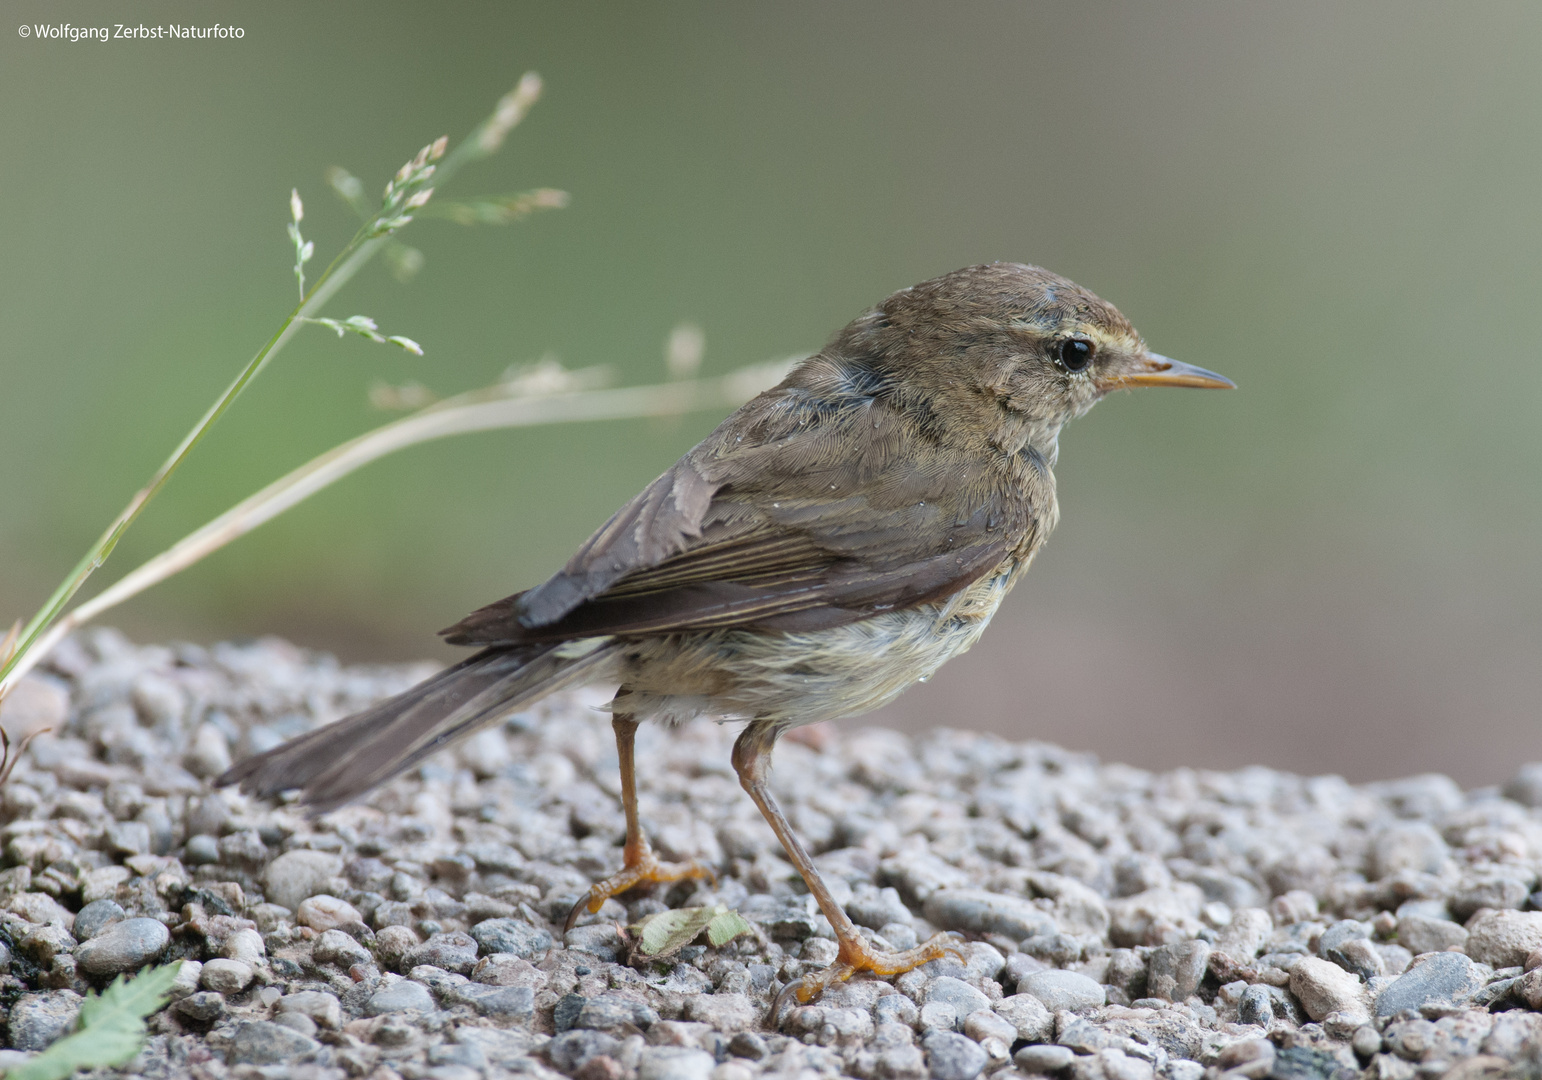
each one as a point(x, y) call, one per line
point(1075, 354)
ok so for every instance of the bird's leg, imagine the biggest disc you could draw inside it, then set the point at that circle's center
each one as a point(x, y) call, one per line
point(752, 759)
point(639, 865)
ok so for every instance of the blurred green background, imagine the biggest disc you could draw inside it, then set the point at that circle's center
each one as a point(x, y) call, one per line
point(1334, 568)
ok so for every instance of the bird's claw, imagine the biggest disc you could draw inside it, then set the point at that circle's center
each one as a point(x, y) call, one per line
point(857, 955)
point(640, 870)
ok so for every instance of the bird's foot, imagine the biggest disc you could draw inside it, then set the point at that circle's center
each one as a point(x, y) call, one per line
point(857, 955)
point(642, 868)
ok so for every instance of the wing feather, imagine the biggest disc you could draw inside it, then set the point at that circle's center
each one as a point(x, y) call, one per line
point(793, 514)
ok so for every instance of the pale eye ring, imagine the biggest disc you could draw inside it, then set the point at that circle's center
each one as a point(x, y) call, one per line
point(1076, 354)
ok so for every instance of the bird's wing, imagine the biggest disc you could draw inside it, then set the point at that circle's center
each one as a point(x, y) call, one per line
point(794, 514)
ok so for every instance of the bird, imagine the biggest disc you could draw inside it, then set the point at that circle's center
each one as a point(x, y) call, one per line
point(834, 541)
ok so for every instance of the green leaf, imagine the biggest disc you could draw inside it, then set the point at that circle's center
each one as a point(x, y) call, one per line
point(670, 931)
point(727, 926)
point(110, 1030)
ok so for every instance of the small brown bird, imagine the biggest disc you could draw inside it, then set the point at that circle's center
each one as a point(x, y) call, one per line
point(832, 542)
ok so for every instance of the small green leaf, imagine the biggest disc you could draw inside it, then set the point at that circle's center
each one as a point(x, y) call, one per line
point(670, 931)
point(110, 1030)
point(727, 926)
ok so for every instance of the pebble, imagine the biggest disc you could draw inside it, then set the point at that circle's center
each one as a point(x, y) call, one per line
point(323, 912)
point(95, 917)
point(203, 1007)
point(1043, 1059)
point(298, 875)
point(980, 912)
point(963, 998)
point(262, 1042)
point(500, 1002)
point(674, 1063)
point(1063, 990)
point(983, 1024)
point(246, 946)
point(38, 1019)
point(600, 940)
point(1177, 970)
point(513, 936)
point(1424, 934)
point(1025, 1012)
point(336, 947)
point(123, 946)
point(1325, 988)
point(453, 950)
point(226, 976)
point(953, 1057)
point(1246, 935)
point(1445, 978)
point(322, 1008)
point(1504, 938)
point(400, 997)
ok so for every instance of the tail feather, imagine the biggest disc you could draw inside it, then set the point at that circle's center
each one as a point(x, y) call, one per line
point(338, 763)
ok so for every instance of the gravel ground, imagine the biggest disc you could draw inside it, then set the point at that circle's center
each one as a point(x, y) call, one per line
point(1120, 923)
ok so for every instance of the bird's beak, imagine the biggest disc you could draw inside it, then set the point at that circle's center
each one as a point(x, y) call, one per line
point(1155, 370)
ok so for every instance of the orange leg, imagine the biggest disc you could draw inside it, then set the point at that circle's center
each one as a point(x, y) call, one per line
point(639, 866)
point(752, 759)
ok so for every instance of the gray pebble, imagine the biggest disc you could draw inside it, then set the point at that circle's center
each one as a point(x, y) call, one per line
point(938, 1016)
point(1176, 970)
point(95, 917)
point(599, 940)
point(128, 837)
point(399, 997)
point(38, 1019)
point(244, 850)
point(674, 1063)
point(297, 875)
point(1032, 1019)
point(336, 947)
point(614, 1011)
point(123, 946)
point(565, 1011)
point(1424, 933)
point(1068, 990)
point(1043, 1059)
point(748, 1045)
point(953, 1057)
point(499, 1002)
point(262, 1042)
point(204, 1007)
point(466, 1055)
point(201, 850)
point(454, 951)
point(226, 976)
point(980, 912)
point(1441, 978)
point(1052, 950)
point(298, 1022)
point(511, 936)
point(877, 908)
point(964, 998)
point(570, 1050)
point(320, 1006)
point(1256, 1006)
point(896, 1009)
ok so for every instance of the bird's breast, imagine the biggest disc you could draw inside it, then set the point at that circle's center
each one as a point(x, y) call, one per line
point(804, 677)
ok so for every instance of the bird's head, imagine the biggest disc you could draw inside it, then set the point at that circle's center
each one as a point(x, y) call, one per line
point(1013, 338)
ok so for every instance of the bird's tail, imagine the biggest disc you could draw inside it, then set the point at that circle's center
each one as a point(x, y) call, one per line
point(336, 764)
